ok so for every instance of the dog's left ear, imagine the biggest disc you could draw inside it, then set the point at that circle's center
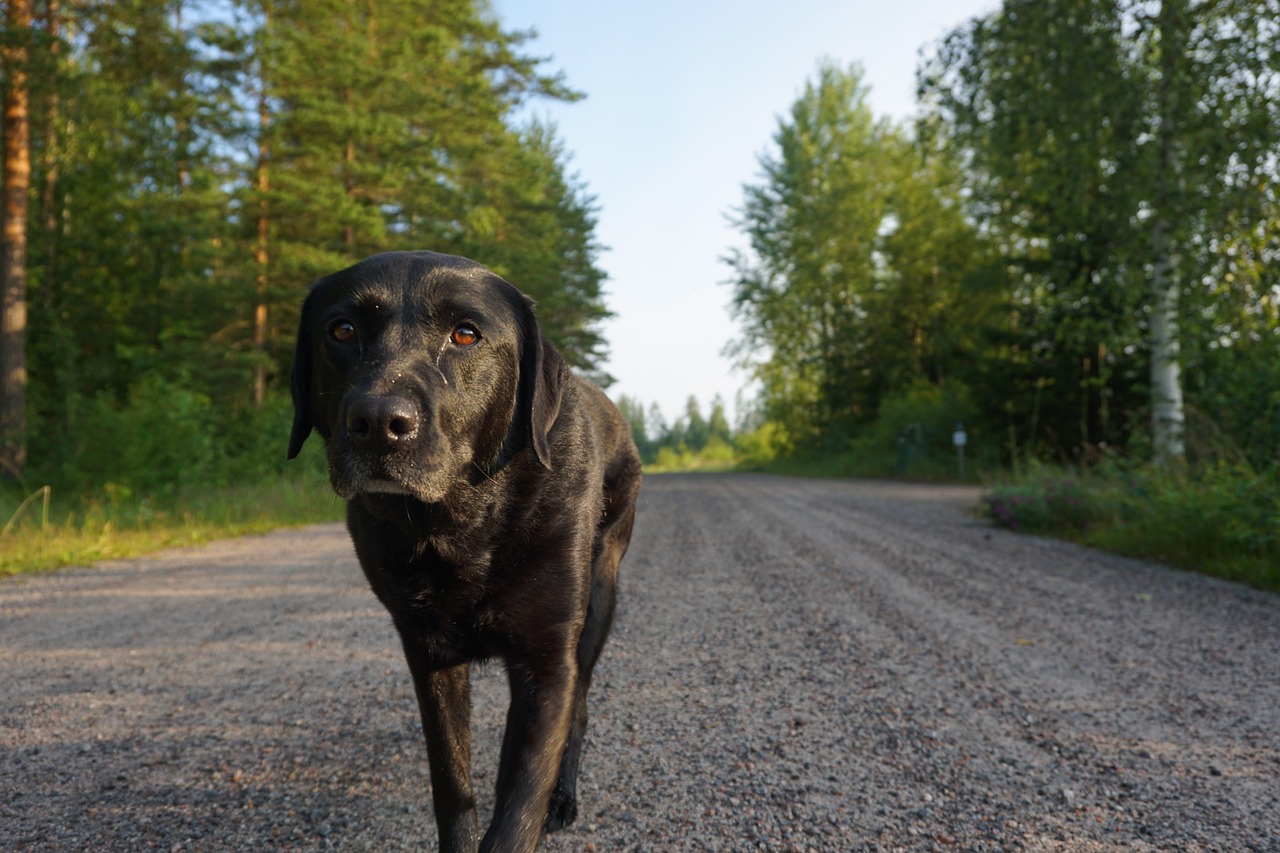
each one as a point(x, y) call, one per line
point(541, 379)
point(300, 380)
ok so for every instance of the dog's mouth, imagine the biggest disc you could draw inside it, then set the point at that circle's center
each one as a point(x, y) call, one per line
point(382, 487)
point(353, 475)
point(348, 483)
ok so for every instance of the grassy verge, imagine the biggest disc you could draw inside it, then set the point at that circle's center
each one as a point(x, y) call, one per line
point(80, 531)
point(692, 465)
point(717, 456)
point(1221, 521)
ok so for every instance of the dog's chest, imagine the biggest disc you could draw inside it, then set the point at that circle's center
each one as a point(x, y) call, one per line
point(446, 606)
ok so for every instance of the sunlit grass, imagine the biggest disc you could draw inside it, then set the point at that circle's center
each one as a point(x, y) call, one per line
point(82, 531)
point(716, 457)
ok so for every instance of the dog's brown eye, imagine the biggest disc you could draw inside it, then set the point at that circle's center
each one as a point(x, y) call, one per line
point(342, 331)
point(464, 335)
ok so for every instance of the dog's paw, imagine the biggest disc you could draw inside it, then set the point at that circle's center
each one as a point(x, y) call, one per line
point(563, 811)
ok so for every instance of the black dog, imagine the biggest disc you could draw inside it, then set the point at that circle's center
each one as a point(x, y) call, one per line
point(490, 496)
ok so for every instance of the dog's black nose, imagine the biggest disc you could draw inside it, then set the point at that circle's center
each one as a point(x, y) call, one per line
point(382, 423)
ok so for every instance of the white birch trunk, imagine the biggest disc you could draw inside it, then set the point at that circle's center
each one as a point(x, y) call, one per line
point(1167, 416)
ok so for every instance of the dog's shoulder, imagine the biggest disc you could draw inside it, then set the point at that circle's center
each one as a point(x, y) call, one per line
point(604, 433)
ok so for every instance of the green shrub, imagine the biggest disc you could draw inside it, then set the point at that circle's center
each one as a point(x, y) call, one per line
point(1223, 520)
point(672, 459)
point(717, 455)
point(762, 445)
point(1044, 504)
point(166, 439)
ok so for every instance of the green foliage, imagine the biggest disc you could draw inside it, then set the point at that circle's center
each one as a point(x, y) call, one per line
point(197, 166)
point(693, 443)
point(911, 437)
point(166, 439)
point(763, 445)
point(166, 467)
point(1122, 154)
point(717, 455)
point(1090, 203)
point(1223, 520)
point(860, 256)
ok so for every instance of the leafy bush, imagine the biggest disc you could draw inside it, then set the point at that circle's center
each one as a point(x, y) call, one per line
point(911, 437)
point(167, 468)
point(167, 439)
point(717, 455)
point(163, 439)
point(1047, 504)
point(1222, 519)
point(761, 445)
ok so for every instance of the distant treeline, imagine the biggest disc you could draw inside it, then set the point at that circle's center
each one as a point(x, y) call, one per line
point(194, 165)
point(691, 434)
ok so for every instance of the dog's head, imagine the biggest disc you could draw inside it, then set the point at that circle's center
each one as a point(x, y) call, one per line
point(421, 371)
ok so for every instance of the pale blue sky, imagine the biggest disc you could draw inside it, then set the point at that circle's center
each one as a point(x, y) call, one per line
point(682, 98)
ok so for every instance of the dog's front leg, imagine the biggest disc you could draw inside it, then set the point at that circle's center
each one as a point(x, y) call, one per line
point(444, 698)
point(537, 728)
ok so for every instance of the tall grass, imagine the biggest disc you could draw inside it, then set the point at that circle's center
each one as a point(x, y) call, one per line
point(165, 468)
point(81, 530)
point(1222, 520)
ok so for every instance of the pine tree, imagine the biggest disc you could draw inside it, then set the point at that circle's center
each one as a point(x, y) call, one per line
point(390, 129)
point(13, 260)
point(535, 225)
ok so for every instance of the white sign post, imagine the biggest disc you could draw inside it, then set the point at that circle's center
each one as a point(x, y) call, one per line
point(960, 439)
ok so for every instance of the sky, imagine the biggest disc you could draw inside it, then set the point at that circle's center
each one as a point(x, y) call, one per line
point(682, 99)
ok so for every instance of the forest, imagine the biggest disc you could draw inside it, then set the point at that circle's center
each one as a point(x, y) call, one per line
point(1073, 250)
point(192, 167)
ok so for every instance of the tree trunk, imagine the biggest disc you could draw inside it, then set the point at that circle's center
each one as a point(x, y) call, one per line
point(50, 204)
point(262, 255)
point(13, 259)
point(1167, 417)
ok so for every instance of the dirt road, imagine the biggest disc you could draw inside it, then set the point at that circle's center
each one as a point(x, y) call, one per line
point(796, 665)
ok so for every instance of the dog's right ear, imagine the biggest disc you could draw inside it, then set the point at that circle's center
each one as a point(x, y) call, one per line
point(300, 379)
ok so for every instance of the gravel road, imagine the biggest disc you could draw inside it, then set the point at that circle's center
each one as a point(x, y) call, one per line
point(796, 665)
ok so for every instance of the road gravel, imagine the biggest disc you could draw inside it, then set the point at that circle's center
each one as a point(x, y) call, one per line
point(796, 666)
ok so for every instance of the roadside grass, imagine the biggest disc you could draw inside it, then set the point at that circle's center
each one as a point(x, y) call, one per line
point(716, 457)
point(81, 530)
point(1222, 521)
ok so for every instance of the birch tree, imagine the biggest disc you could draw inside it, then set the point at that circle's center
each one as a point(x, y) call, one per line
point(859, 250)
point(1113, 144)
point(1167, 415)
